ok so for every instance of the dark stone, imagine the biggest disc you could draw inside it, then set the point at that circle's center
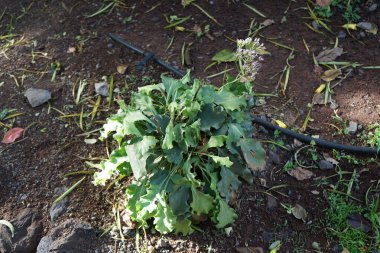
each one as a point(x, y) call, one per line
point(267, 236)
point(272, 203)
point(72, 236)
point(325, 165)
point(373, 7)
point(28, 232)
point(274, 158)
point(60, 207)
point(337, 248)
point(342, 34)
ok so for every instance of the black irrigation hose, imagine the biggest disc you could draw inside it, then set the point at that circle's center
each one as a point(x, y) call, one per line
point(255, 119)
point(319, 142)
point(147, 56)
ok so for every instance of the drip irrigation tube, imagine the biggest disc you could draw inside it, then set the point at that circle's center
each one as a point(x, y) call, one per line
point(255, 119)
point(320, 142)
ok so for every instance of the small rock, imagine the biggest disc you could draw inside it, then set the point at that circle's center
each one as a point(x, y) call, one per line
point(37, 97)
point(316, 26)
point(297, 143)
point(272, 203)
point(274, 158)
point(352, 127)
point(372, 7)
point(267, 236)
point(342, 34)
point(28, 230)
point(337, 248)
point(362, 34)
point(102, 89)
point(365, 25)
point(325, 165)
point(58, 208)
point(72, 236)
point(161, 243)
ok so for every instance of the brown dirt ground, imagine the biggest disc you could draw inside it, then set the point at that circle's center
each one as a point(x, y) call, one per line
point(32, 168)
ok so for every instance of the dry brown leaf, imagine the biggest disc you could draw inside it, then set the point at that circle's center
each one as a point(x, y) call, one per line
point(121, 69)
point(329, 54)
point(319, 99)
point(249, 250)
point(328, 158)
point(300, 174)
point(267, 22)
point(345, 251)
point(12, 135)
point(299, 212)
point(331, 75)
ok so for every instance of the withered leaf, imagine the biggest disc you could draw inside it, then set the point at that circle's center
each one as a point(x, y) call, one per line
point(299, 212)
point(300, 174)
point(12, 135)
point(329, 54)
point(331, 75)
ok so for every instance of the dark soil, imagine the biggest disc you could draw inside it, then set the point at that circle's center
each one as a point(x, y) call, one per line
point(52, 146)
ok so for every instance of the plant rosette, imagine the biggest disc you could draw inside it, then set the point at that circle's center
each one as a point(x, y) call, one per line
point(187, 148)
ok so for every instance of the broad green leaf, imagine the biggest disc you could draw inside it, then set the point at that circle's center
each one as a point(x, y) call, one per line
point(191, 109)
point(178, 200)
point(215, 141)
point(135, 191)
point(147, 205)
point(167, 143)
point(211, 117)
point(144, 102)
point(226, 214)
point(202, 203)
point(241, 169)
point(192, 134)
point(228, 183)
point(164, 219)
point(222, 97)
point(138, 154)
point(149, 88)
point(225, 55)
point(223, 161)
point(174, 155)
point(254, 154)
point(229, 101)
point(173, 88)
point(235, 133)
point(183, 227)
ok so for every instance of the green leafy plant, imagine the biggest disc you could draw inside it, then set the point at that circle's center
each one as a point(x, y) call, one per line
point(349, 8)
point(372, 136)
point(187, 148)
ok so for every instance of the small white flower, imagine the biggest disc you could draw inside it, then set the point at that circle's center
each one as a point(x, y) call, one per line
point(248, 54)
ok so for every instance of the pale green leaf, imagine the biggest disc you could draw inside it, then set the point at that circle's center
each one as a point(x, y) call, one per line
point(202, 203)
point(135, 191)
point(226, 214)
point(192, 134)
point(223, 161)
point(183, 227)
point(138, 154)
point(225, 55)
point(215, 141)
point(164, 219)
